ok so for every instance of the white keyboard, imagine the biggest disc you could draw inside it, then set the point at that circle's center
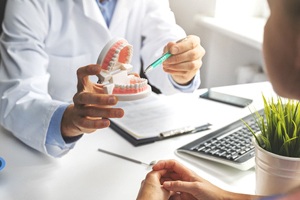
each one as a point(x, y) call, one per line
point(231, 145)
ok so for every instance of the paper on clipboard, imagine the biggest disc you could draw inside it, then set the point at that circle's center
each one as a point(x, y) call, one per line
point(147, 118)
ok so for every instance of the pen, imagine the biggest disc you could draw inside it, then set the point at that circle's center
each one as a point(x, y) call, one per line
point(160, 60)
point(184, 130)
point(127, 158)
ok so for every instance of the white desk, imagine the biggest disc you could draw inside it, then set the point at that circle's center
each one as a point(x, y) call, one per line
point(85, 173)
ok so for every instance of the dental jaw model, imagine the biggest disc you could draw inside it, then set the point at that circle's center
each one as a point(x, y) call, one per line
point(114, 60)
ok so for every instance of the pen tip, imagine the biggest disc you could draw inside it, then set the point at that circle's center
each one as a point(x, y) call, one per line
point(147, 69)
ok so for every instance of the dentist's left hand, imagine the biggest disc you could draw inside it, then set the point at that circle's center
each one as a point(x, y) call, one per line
point(91, 109)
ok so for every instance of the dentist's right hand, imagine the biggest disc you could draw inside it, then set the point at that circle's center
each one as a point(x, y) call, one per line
point(92, 108)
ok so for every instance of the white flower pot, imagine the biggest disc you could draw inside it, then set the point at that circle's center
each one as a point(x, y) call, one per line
point(274, 173)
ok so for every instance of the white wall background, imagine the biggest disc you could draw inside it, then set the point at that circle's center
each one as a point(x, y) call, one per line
point(225, 57)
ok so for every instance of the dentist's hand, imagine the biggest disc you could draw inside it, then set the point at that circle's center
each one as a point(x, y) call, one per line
point(91, 108)
point(186, 59)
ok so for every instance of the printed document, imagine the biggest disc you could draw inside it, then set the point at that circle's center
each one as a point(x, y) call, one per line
point(151, 116)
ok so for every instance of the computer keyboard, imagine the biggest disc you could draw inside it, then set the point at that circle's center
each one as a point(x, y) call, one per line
point(231, 145)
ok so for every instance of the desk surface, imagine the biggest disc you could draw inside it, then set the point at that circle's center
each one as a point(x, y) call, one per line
point(85, 173)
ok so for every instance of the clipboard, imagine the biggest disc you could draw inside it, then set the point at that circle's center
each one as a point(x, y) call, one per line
point(131, 139)
point(156, 118)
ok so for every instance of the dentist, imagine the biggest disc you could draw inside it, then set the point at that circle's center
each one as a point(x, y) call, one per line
point(48, 90)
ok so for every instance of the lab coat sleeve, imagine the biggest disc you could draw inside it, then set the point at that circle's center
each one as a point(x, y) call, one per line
point(55, 144)
point(187, 88)
point(159, 28)
point(25, 105)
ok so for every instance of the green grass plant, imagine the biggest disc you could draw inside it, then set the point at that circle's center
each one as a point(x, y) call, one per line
point(279, 127)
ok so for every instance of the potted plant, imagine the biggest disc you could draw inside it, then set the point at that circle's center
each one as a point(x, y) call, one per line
point(277, 146)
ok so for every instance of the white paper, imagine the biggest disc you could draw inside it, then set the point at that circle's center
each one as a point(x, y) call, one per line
point(156, 114)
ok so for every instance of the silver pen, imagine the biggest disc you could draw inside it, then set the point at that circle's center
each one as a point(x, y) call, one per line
point(127, 158)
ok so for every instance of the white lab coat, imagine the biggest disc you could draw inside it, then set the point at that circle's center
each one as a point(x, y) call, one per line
point(46, 41)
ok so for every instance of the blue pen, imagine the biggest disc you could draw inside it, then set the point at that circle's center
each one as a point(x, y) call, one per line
point(160, 60)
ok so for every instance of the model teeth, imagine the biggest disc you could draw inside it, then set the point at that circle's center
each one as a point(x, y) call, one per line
point(136, 85)
point(114, 59)
point(115, 68)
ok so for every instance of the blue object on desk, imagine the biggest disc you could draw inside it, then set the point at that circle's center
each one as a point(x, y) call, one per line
point(2, 163)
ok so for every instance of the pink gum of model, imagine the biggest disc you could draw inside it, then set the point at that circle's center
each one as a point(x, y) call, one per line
point(114, 60)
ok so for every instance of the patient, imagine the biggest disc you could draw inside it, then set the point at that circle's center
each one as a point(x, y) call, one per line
point(171, 180)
